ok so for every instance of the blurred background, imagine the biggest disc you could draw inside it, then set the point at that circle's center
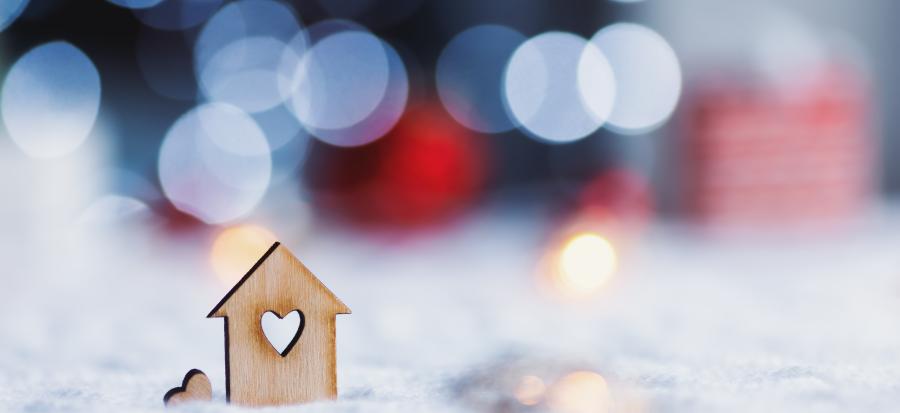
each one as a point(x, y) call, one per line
point(561, 206)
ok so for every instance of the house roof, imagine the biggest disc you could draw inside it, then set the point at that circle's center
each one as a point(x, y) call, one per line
point(253, 270)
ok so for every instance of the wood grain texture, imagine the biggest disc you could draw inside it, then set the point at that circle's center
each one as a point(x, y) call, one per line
point(256, 374)
point(195, 387)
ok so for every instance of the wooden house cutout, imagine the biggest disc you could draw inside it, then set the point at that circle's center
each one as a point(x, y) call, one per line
point(256, 374)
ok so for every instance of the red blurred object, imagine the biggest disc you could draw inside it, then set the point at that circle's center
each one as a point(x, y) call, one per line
point(176, 222)
point(623, 192)
point(795, 156)
point(618, 203)
point(425, 171)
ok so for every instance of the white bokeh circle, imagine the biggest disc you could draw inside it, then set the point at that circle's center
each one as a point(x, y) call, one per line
point(341, 80)
point(469, 76)
point(215, 163)
point(648, 76)
point(557, 86)
point(50, 99)
point(382, 118)
point(246, 73)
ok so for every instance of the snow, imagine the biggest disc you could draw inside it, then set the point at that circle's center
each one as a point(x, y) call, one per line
point(98, 321)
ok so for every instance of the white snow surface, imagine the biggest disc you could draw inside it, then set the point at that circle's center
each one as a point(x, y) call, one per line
point(103, 321)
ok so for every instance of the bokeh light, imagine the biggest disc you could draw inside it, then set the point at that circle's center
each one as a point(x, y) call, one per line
point(583, 265)
point(236, 249)
point(246, 73)
point(530, 390)
point(10, 10)
point(387, 111)
point(178, 14)
point(243, 19)
point(135, 4)
point(342, 80)
point(469, 76)
point(50, 99)
point(559, 87)
point(289, 71)
point(647, 74)
point(596, 83)
point(215, 163)
point(580, 392)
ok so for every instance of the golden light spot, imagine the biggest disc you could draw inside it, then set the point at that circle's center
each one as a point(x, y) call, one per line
point(580, 392)
point(584, 264)
point(530, 390)
point(236, 249)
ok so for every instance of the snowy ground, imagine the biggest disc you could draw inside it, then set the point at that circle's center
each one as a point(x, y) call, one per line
point(94, 323)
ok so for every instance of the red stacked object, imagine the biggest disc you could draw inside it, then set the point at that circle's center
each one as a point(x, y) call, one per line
point(788, 156)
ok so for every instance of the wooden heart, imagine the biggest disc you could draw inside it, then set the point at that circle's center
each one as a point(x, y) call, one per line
point(282, 331)
point(195, 387)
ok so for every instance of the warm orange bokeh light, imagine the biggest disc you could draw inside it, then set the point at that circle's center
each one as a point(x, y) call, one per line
point(580, 392)
point(530, 390)
point(236, 249)
point(585, 263)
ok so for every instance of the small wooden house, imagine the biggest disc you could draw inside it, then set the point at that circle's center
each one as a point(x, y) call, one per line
point(256, 373)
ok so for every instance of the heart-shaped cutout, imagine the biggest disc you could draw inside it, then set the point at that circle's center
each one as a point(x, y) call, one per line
point(283, 331)
point(194, 387)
